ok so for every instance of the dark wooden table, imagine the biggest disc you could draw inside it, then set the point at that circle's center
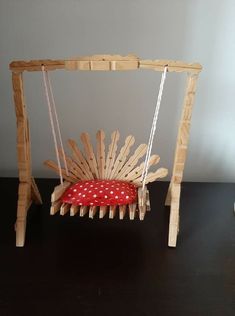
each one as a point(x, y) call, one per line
point(74, 266)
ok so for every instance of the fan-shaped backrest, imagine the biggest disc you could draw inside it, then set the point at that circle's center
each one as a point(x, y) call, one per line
point(89, 165)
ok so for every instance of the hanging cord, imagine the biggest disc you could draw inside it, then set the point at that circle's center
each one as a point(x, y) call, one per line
point(57, 122)
point(153, 129)
point(50, 97)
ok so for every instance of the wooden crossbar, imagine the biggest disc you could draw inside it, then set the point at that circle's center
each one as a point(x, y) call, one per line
point(28, 191)
point(105, 63)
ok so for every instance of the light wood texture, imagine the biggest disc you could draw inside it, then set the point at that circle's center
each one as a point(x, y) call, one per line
point(89, 166)
point(55, 207)
point(121, 168)
point(28, 191)
point(112, 211)
point(105, 63)
point(80, 159)
point(92, 211)
point(74, 209)
point(142, 198)
point(90, 156)
point(132, 211)
point(103, 211)
point(83, 210)
point(122, 156)
point(174, 215)
point(122, 211)
point(136, 173)
point(35, 194)
point(148, 206)
point(59, 191)
point(173, 195)
point(36, 65)
point(64, 209)
point(132, 162)
point(100, 136)
point(172, 66)
point(111, 154)
point(53, 166)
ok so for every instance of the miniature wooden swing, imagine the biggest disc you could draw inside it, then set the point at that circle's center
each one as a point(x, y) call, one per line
point(87, 167)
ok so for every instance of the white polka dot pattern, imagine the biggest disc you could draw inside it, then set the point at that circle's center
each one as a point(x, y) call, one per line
point(100, 192)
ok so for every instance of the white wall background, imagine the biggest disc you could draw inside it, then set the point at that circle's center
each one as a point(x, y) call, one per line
point(201, 30)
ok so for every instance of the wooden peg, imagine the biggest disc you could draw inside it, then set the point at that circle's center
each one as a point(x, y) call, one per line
point(132, 161)
point(64, 208)
point(132, 211)
point(73, 210)
point(83, 210)
point(142, 202)
point(111, 154)
point(90, 156)
point(92, 211)
point(103, 211)
point(152, 176)
point(100, 136)
point(55, 207)
point(53, 165)
point(79, 159)
point(112, 211)
point(122, 156)
point(148, 206)
point(137, 172)
point(59, 191)
point(122, 211)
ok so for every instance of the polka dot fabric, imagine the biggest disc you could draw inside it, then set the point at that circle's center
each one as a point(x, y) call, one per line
point(100, 192)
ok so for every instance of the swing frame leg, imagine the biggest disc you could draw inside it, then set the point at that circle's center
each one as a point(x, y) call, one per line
point(174, 190)
point(174, 215)
point(28, 191)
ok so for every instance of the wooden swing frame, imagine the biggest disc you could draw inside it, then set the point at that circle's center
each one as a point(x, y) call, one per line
point(28, 191)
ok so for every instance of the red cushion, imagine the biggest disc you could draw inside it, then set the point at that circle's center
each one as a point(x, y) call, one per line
point(100, 192)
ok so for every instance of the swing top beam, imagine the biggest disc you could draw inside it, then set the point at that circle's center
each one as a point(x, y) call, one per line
point(105, 63)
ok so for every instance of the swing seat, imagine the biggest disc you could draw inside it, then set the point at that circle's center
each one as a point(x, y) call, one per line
point(100, 192)
point(103, 183)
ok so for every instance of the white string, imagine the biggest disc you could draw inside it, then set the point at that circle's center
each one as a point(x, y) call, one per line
point(52, 122)
point(153, 129)
point(57, 122)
